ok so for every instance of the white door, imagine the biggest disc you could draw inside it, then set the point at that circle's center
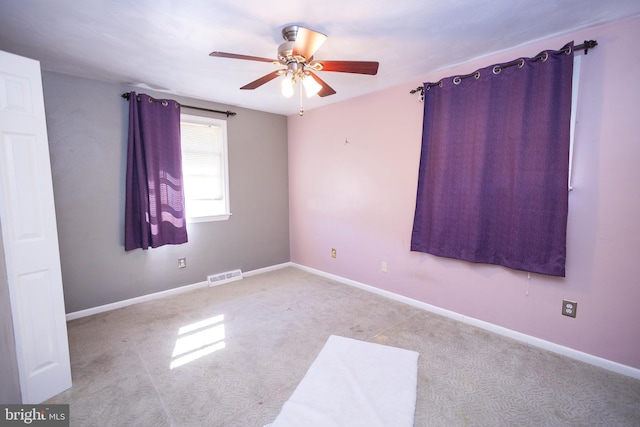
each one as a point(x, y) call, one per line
point(30, 234)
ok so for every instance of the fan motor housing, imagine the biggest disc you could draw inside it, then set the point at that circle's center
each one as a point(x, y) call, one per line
point(285, 52)
point(290, 33)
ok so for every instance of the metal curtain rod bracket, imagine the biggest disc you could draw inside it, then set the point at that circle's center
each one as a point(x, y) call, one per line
point(588, 44)
point(228, 113)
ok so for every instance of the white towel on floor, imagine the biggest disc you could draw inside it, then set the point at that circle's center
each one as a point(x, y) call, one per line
point(355, 383)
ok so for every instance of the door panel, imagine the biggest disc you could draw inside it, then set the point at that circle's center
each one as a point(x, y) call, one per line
point(29, 233)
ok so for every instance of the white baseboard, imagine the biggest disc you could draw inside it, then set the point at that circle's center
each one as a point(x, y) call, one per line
point(267, 269)
point(132, 301)
point(536, 342)
point(162, 294)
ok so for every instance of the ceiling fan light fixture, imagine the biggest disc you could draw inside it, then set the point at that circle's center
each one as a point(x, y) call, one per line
point(287, 85)
point(311, 86)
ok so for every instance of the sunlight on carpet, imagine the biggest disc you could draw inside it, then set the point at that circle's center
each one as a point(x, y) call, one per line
point(198, 340)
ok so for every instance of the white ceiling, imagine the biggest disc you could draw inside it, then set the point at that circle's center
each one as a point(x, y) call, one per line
point(165, 44)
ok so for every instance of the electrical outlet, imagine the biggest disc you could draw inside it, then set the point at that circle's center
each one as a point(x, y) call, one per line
point(182, 262)
point(569, 308)
point(334, 253)
point(383, 266)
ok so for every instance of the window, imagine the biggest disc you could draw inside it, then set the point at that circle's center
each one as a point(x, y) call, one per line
point(204, 168)
point(575, 83)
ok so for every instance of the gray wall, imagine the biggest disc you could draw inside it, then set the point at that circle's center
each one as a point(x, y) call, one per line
point(87, 121)
point(9, 376)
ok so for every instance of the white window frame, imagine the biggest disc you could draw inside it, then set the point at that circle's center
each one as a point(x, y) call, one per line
point(575, 84)
point(222, 124)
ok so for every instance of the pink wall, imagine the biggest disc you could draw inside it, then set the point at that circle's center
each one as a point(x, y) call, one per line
point(359, 198)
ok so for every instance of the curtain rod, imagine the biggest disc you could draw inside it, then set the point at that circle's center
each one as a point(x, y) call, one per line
point(228, 113)
point(588, 44)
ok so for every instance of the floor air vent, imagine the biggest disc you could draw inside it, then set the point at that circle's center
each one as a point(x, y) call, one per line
point(220, 278)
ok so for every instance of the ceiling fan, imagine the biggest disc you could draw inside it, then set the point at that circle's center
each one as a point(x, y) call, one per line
point(296, 55)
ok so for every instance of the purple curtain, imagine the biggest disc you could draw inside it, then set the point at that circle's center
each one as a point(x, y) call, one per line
point(493, 177)
point(154, 206)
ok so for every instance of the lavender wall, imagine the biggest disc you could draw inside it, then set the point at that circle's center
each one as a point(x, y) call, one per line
point(359, 198)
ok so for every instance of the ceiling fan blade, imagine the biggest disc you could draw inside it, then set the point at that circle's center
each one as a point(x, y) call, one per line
point(262, 80)
point(236, 56)
point(326, 89)
point(307, 42)
point(356, 67)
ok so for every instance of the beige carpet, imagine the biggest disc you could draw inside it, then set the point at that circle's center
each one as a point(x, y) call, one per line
point(232, 355)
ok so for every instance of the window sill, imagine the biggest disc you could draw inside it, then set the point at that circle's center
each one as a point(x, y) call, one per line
point(210, 218)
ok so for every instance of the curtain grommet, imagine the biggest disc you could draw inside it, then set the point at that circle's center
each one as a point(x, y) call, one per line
point(457, 80)
point(477, 75)
point(521, 63)
point(497, 69)
point(545, 56)
point(164, 103)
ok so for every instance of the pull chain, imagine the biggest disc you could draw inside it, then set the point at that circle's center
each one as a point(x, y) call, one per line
point(301, 109)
